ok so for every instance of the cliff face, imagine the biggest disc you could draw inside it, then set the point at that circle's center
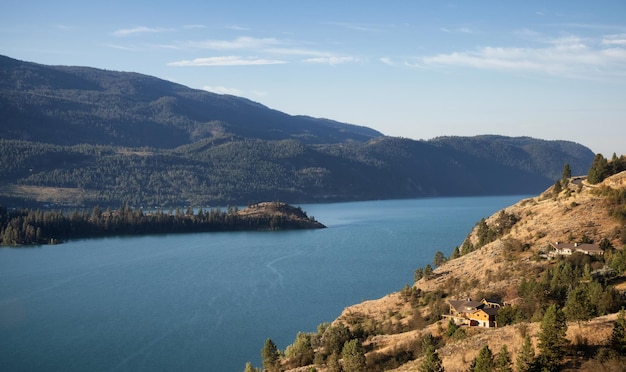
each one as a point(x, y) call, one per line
point(396, 323)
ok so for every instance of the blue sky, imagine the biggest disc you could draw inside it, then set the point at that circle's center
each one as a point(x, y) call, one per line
point(415, 69)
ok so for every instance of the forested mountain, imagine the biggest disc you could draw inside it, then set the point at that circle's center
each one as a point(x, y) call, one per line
point(82, 136)
point(73, 105)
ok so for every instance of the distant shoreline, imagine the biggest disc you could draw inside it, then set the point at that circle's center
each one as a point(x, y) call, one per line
point(27, 227)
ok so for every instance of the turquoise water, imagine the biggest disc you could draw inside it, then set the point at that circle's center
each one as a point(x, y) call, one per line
point(207, 302)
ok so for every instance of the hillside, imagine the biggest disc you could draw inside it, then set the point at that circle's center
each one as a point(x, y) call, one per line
point(65, 105)
point(507, 258)
point(79, 136)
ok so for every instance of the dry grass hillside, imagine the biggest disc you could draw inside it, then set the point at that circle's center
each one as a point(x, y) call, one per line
point(395, 324)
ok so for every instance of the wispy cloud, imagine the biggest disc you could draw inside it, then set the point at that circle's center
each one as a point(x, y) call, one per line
point(387, 61)
point(238, 28)
point(128, 48)
point(462, 30)
point(262, 51)
point(139, 30)
point(222, 90)
point(193, 27)
point(614, 40)
point(299, 52)
point(569, 56)
point(357, 26)
point(244, 42)
point(226, 61)
point(331, 60)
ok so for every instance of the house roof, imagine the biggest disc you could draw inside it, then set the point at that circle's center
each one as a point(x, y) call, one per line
point(465, 305)
point(584, 247)
point(490, 311)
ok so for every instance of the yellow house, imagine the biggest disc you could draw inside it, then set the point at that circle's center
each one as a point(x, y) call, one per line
point(474, 313)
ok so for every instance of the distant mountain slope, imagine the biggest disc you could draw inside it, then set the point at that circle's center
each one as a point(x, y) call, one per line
point(72, 105)
point(530, 154)
point(83, 136)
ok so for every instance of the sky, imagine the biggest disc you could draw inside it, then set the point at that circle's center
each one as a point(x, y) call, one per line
point(553, 70)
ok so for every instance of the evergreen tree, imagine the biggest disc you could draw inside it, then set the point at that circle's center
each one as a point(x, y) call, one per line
point(300, 353)
point(503, 360)
point(578, 308)
point(455, 253)
point(598, 170)
point(484, 361)
point(452, 327)
point(618, 337)
point(431, 361)
point(552, 337)
point(567, 173)
point(353, 356)
point(250, 368)
point(335, 337)
point(418, 274)
point(526, 356)
point(439, 259)
point(556, 190)
point(270, 355)
point(332, 363)
point(428, 271)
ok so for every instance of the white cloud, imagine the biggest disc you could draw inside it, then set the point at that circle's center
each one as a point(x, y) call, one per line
point(193, 27)
point(569, 56)
point(243, 42)
point(238, 28)
point(357, 27)
point(299, 52)
point(462, 30)
point(614, 40)
point(226, 61)
point(222, 90)
point(331, 60)
point(138, 30)
point(387, 61)
point(123, 47)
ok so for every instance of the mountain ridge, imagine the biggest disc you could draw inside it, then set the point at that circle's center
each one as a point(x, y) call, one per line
point(145, 110)
point(81, 136)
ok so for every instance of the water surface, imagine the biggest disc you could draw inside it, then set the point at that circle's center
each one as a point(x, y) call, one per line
point(207, 302)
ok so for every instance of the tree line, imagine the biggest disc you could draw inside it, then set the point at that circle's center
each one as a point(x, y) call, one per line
point(24, 226)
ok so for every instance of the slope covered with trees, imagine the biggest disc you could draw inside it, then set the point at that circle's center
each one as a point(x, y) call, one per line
point(78, 136)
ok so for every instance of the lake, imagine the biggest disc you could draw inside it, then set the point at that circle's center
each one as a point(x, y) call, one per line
point(208, 301)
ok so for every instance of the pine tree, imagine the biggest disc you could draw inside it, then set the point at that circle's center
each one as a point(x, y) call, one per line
point(431, 361)
point(618, 337)
point(526, 356)
point(503, 360)
point(599, 169)
point(270, 355)
point(552, 337)
point(250, 368)
point(300, 353)
point(556, 190)
point(353, 356)
point(578, 308)
point(428, 271)
point(567, 173)
point(484, 361)
point(439, 259)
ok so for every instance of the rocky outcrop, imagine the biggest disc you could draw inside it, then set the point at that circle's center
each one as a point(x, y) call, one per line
point(279, 216)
